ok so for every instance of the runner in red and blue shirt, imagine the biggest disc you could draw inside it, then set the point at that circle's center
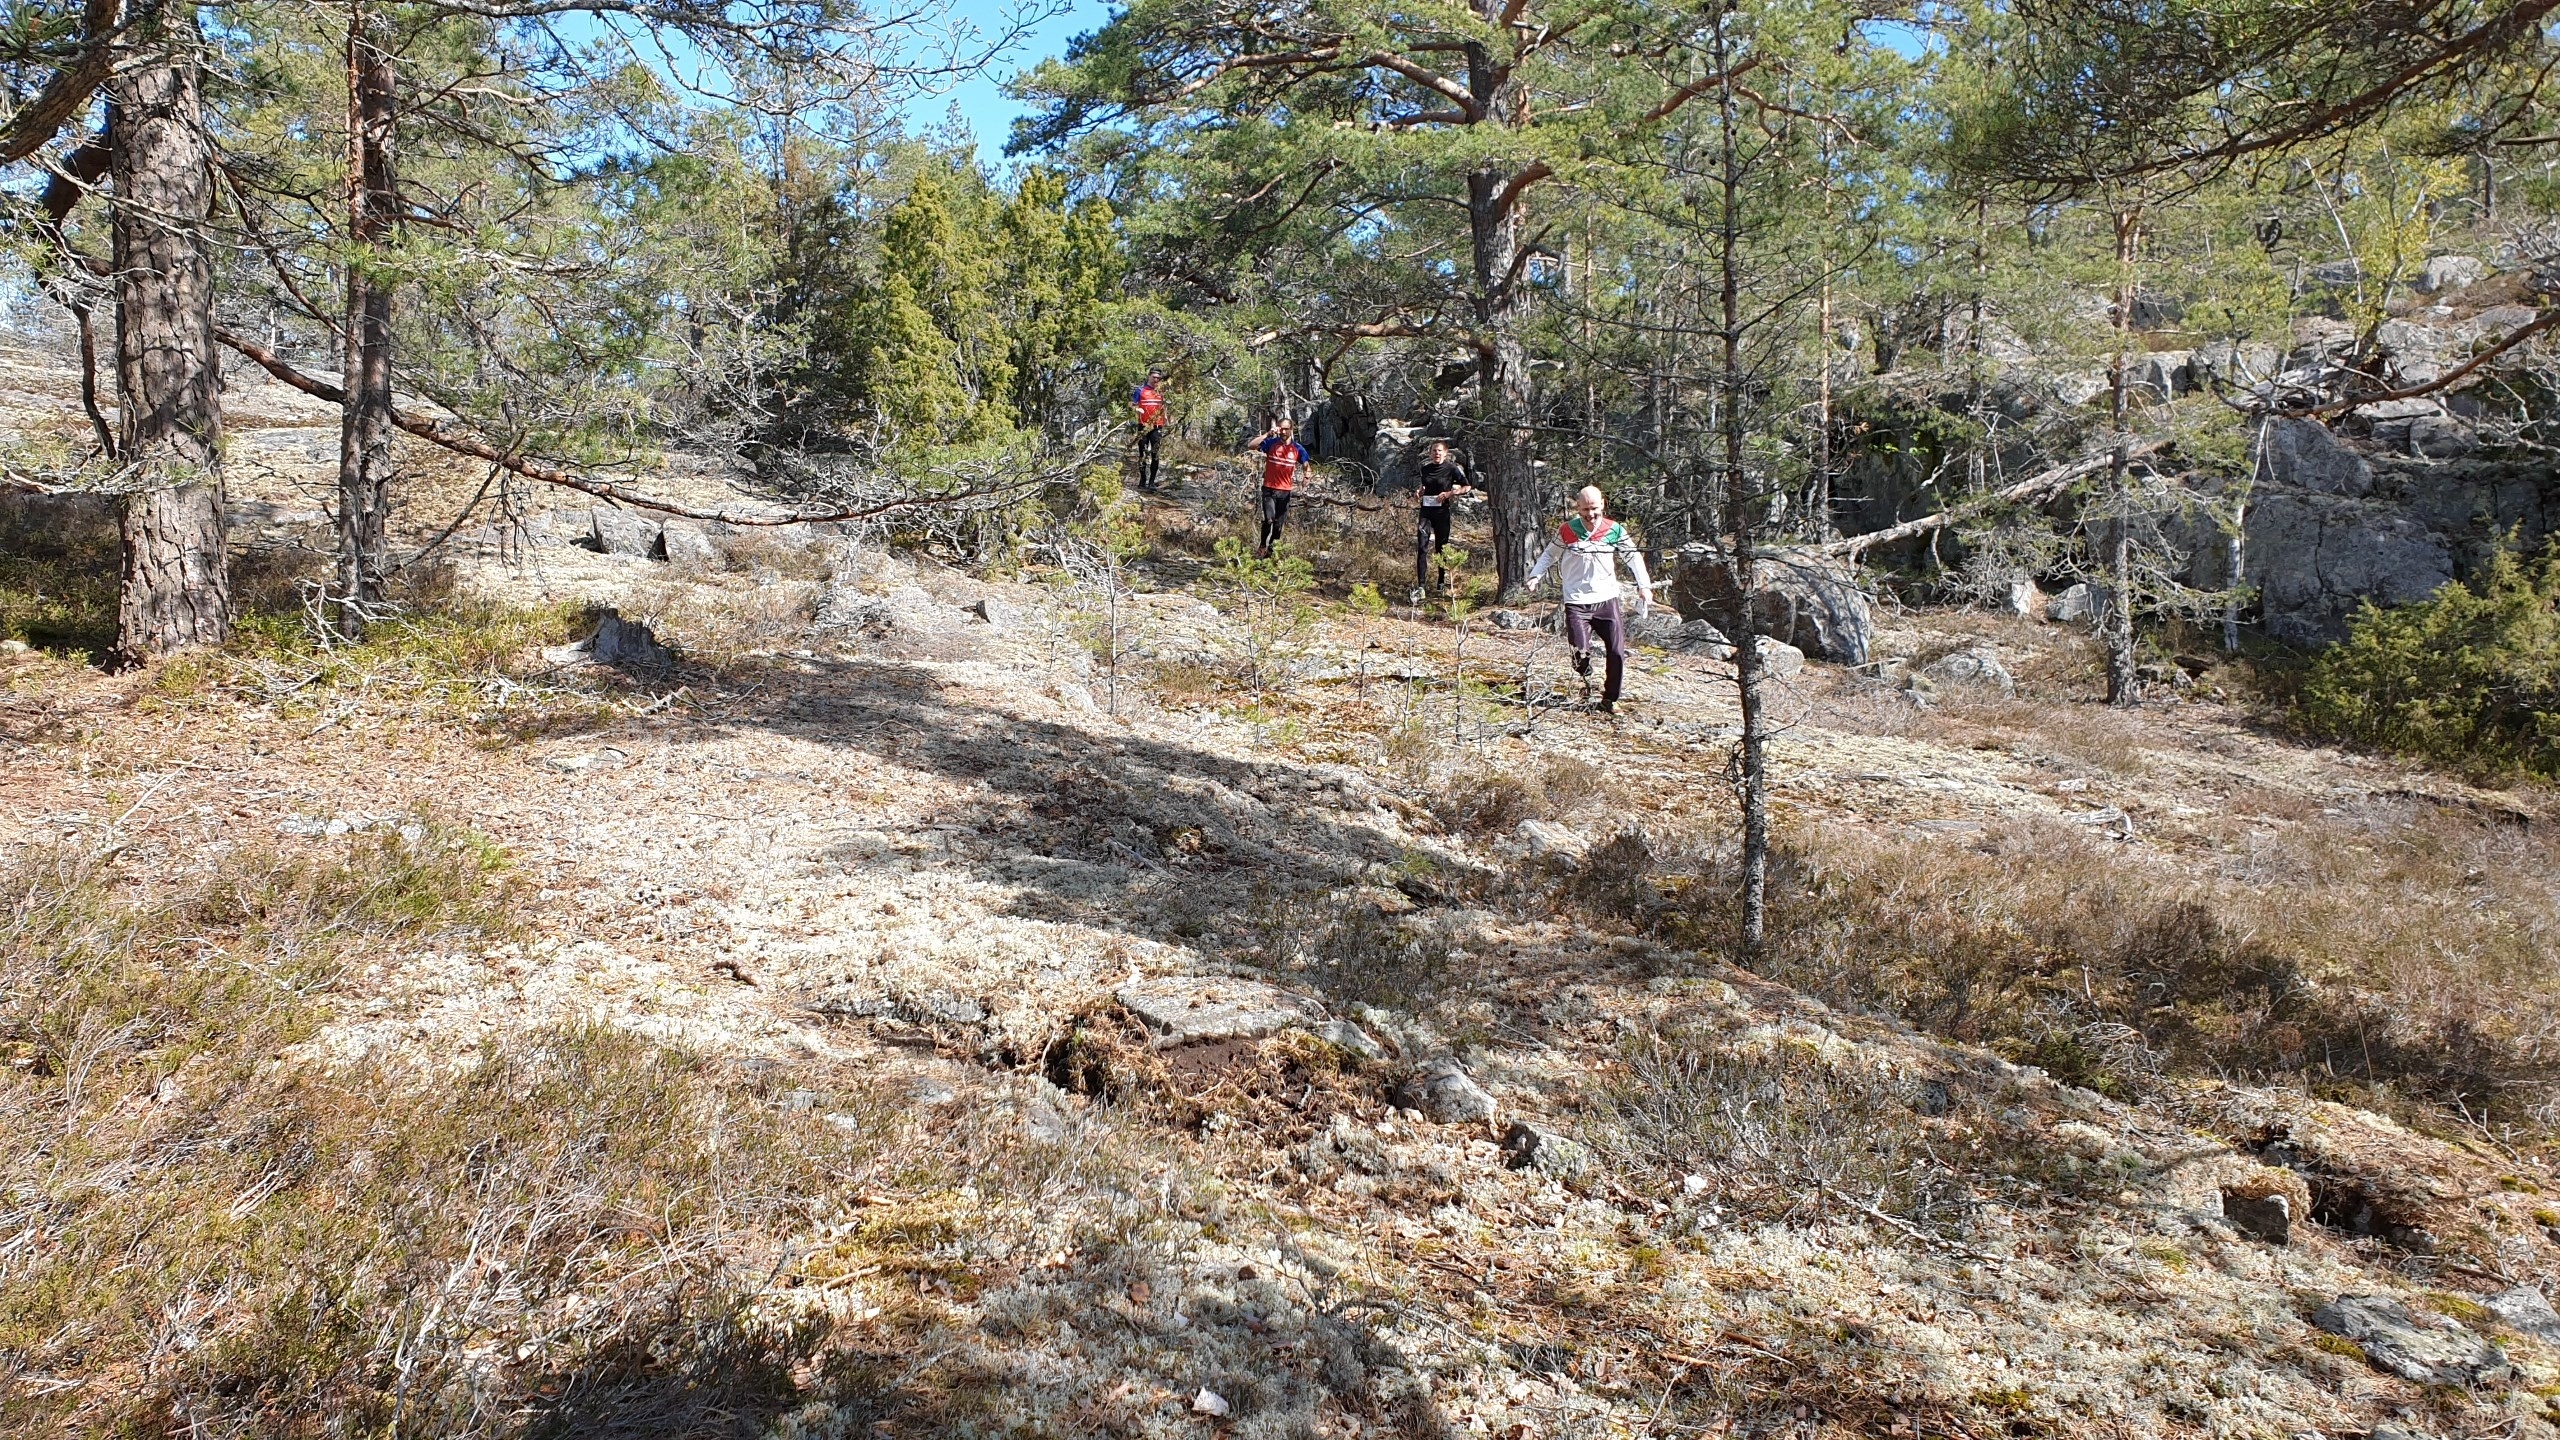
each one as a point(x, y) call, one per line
point(1282, 458)
point(1148, 401)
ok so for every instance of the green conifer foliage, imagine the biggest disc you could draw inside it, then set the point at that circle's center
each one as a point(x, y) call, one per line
point(2470, 675)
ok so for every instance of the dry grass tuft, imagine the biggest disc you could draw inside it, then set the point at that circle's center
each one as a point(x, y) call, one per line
point(1490, 802)
point(1778, 1136)
point(2373, 958)
point(719, 621)
point(450, 663)
point(211, 1237)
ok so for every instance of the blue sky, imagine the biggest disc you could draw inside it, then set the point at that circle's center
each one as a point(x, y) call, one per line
point(981, 104)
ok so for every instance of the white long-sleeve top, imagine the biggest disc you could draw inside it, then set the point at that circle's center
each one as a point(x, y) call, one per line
point(1590, 559)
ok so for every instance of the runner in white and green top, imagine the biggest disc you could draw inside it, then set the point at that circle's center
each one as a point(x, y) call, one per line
point(1590, 545)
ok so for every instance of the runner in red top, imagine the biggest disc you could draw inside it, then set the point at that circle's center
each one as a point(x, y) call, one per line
point(1149, 403)
point(1282, 458)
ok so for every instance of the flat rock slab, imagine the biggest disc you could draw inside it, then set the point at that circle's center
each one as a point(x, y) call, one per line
point(2525, 1309)
point(1185, 1009)
point(2413, 1349)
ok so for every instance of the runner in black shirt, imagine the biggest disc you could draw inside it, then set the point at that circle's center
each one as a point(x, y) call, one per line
point(1441, 482)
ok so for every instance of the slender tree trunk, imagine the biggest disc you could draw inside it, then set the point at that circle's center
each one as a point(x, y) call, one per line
point(1820, 502)
point(174, 592)
point(1977, 464)
point(1742, 517)
point(365, 421)
point(2119, 531)
point(70, 275)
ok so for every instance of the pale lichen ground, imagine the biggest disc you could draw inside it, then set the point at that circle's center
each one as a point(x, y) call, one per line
point(927, 863)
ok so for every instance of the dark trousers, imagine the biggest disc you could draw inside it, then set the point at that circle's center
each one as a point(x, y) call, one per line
point(1430, 537)
point(1150, 455)
point(1581, 622)
point(1275, 512)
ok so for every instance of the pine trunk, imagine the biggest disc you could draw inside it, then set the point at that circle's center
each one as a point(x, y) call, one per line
point(1742, 513)
point(1504, 396)
point(365, 427)
point(2121, 687)
point(174, 591)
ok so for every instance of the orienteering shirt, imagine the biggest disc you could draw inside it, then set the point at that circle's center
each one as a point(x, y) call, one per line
point(1590, 559)
point(1281, 460)
point(1436, 481)
point(1150, 403)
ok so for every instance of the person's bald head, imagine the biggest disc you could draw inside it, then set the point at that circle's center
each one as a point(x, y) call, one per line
point(1589, 504)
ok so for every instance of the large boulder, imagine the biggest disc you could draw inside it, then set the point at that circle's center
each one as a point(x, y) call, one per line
point(2163, 375)
point(2314, 558)
point(1805, 599)
point(2236, 363)
point(1975, 669)
point(1443, 1090)
point(623, 532)
point(1393, 455)
point(1188, 1009)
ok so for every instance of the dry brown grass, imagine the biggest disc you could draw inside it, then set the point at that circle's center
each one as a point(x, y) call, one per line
point(581, 1232)
point(2394, 952)
point(721, 620)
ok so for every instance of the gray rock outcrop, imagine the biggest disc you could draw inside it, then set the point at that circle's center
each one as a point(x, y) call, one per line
point(686, 543)
point(1530, 1147)
point(1805, 599)
point(628, 644)
point(2314, 558)
point(2526, 1310)
point(2388, 507)
point(2449, 272)
point(621, 532)
point(1974, 669)
point(2425, 1352)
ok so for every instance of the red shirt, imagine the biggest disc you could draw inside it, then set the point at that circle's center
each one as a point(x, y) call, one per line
point(1150, 405)
point(1280, 462)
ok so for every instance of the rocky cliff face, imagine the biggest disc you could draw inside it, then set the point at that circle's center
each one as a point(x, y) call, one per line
point(2385, 502)
point(2335, 520)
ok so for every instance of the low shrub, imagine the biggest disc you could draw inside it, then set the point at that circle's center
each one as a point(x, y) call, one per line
point(1778, 1136)
point(2469, 677)
point(1495, 801)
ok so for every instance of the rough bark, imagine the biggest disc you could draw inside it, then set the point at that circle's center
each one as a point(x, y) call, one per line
point(1742, 512)
point(2119, 532)
point(1504, 396)
point(174, 592)
point(1503, 390)
point(366, 417)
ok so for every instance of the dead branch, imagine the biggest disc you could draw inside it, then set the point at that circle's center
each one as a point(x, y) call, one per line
point(2033, 487)
point(461, 442)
